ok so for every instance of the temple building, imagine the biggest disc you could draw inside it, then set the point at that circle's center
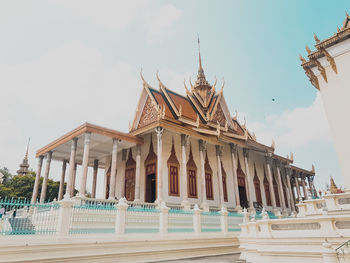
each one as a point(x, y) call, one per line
point(24, 166)
point(183, 150)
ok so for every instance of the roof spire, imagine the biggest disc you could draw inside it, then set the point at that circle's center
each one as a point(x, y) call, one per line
point(23, 167)
point(199, 55)
point(26, 155)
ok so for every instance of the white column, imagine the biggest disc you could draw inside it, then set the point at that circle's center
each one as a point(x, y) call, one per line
point(120, 183)
point(73, 181)
point(219, 173)
point(203, 193)
point(159, 131)
point(137, 172)
point(288, 173)
point(249, 179)
point(113, 170)
point(94, 179)
point(269, 174)
point(304, 188)
point(71, 167)
point(280, 186)
point(184, 184)
point(37, 180)
point(297, 186)
point(85, 164)
point(235, 178)
point(63, 175)
point(46, 177)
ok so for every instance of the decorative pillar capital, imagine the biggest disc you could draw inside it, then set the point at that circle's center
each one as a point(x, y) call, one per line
point(184, 139)
point(159, 131)
point(74, 144)
point(268, 158)
point(246, 153)
point(138, 149)
point(49, 156)
point(233, 148)
point(87, 138)
point(219, 150)
point(202, 145)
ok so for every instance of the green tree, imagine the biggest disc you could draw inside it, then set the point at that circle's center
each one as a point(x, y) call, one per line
point(22, 186)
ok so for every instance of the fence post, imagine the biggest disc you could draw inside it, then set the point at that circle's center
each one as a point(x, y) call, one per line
point(196, 219)
point(122, 206)
point(329, 255)
point(223, 219)
point(163, 218)
point(64, 216)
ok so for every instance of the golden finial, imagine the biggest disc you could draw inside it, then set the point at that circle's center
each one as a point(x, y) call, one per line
point(197, 121)
point(273, 144)
point(218, 128)
point(292, 157)
point(26, 155)
point(308, 49)
point(316, 39)
point(254, 136)
point(236, 116)
point(223, 85)
point(191, 83)
point(303, 60)
point(313, 169)
point(347, 15)
point(130, 126)
point(245, 124)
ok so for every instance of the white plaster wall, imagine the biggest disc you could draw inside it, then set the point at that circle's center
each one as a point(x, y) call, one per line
point(336, 96)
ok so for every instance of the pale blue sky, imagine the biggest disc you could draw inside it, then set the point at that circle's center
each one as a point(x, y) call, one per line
point(66, 62)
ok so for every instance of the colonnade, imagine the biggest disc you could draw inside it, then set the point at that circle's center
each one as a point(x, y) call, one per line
point(118, 191)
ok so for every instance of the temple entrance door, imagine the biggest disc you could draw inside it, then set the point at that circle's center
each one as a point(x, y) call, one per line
point(150, 188)
point(243, 196)
point(151, 179)
point(242, 191)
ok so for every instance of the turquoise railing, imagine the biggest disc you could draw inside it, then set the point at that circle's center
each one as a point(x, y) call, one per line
point(20, 217)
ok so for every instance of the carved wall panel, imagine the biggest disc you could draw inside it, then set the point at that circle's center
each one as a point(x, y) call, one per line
point(149, 114)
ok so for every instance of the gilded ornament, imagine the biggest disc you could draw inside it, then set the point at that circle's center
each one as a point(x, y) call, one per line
point(316, 39)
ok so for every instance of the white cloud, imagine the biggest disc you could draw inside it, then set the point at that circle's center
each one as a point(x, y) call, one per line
point(160, 23)
point(110, 14)
point(294, 128)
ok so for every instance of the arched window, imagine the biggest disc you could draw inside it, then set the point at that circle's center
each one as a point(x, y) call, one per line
point(267, 190)
point(275, 190)
point(130, 167)
point(257, 186)
point(173, 172)
point(191, 176)
point(208, 179)
point(224, 182)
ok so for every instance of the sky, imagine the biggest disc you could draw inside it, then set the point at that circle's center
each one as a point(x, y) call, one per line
point(63, 63)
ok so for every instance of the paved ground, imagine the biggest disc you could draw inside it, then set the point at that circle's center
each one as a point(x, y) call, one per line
point(216, 259)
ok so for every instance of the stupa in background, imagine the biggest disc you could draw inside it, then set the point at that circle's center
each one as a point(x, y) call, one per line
point(24, 166)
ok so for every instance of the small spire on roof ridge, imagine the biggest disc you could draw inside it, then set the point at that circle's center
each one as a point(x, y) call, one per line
point(303, 60)
point(346, 13)
point(316, 39)
point(308, 49)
